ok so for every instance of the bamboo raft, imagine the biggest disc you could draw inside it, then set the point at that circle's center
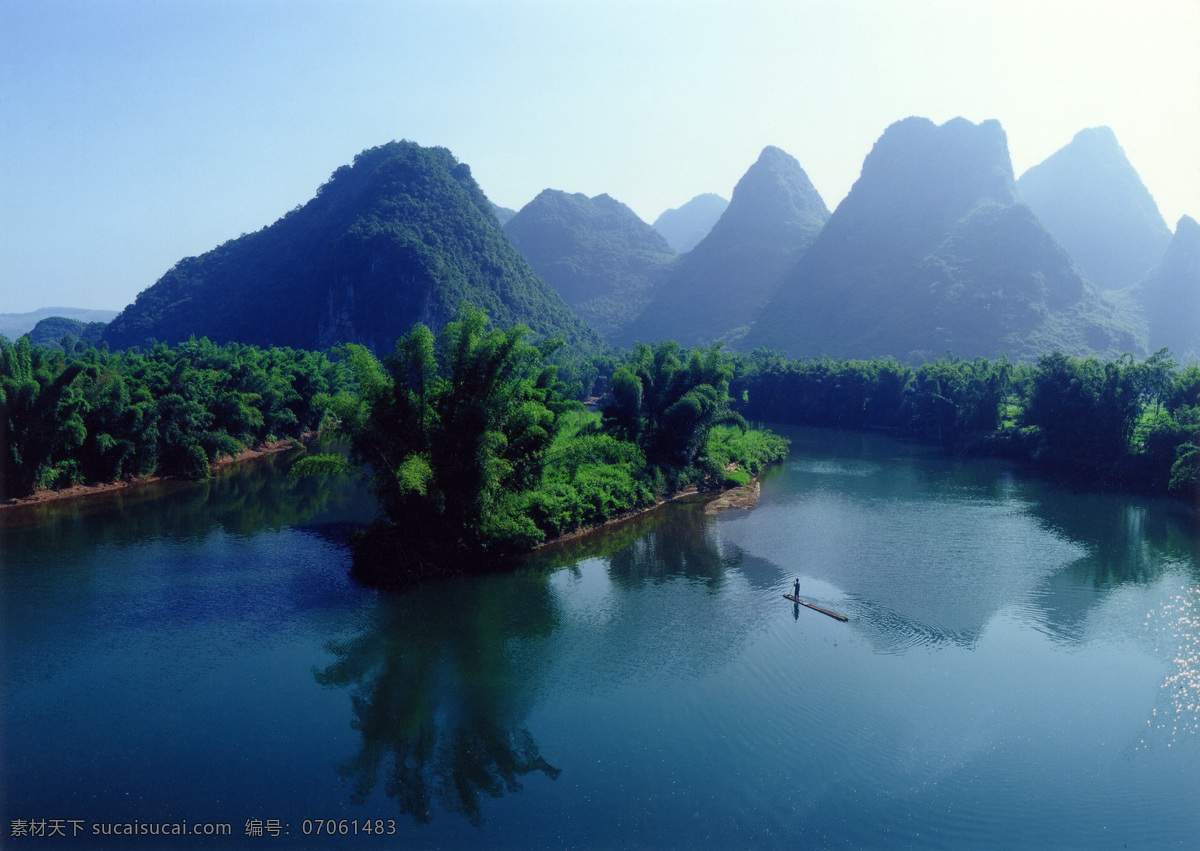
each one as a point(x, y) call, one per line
point(816, 608)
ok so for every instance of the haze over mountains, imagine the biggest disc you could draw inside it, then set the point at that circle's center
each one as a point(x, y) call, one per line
point(13, 325)
point(1169, 295)
point(935, 249)
point(1092, 200)
point(684, 227)
point(715, 291)
point(932, 251)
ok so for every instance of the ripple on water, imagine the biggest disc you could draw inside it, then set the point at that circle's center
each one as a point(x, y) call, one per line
point(835, 467)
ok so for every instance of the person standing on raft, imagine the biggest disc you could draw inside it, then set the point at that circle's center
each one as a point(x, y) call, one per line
point(796, 587)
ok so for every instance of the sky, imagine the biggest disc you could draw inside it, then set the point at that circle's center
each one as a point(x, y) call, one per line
point(134, 134)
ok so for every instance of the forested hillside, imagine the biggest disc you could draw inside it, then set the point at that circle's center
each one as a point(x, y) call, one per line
point(51, 332)
point(597, 254)
point(403, 235)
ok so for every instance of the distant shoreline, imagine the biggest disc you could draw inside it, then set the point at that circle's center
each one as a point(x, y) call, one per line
point(84, 492)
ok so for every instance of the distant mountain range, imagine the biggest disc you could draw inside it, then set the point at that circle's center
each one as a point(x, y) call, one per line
point(600, 257)
point(13, 325)
point(404, 235)
point(933, 252)
point(684, 227)
point(936, 249)
point(715, 291)
point(1089, 196)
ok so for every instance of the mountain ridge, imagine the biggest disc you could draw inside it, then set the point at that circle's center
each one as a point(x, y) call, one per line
point(402, 235)
point(897, 269)
point(595, 252)
point(1091, 198)
point(712, 292)
point(684, 226)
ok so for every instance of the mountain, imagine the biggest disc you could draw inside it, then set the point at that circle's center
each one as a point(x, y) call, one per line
point(932, 251)
point(403, 235)
point(684, 227)
point(596, 253)
point(13, 325)
point(1170, 295)
point(715, 290)
point(49, 332)
point(503, 214)
point(1092, 200)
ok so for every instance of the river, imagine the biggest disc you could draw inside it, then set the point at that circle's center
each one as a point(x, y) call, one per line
point(1020, 668)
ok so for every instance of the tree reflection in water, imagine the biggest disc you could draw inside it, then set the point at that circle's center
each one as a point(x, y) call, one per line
point(440, 683)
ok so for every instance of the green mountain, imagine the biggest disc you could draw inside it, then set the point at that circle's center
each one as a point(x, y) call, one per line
point(932, 251)
point(684, 227)
point(715, 290)
point(13, 325)
point(1092, 200)
point(596, 253)
point(1170, 295)
point(403, 235)
point(49, 332)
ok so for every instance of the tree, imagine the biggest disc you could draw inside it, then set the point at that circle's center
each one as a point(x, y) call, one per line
point(1085, 410)
point(668, 405)
point(455, 430)
point(40, 416)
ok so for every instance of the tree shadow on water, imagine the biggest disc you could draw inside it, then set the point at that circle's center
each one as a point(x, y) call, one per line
point(440, 683)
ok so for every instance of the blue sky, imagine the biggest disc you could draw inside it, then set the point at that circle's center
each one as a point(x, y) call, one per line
point(133, 134)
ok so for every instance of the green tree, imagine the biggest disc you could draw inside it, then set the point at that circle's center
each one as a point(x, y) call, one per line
point(40, 414)
point(667, 402)
point(1085, 410)
point(455, 429)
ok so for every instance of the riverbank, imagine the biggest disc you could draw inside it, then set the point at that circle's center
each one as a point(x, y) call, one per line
point(85, 492)
point(743, 497)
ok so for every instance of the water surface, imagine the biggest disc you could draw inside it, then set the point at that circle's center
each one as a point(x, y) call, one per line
point(1021, 668)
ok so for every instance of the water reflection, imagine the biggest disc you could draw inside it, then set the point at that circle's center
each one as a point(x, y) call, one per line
point(926, 550)
point(254, 497)
point(440, 687)
point(673, 540)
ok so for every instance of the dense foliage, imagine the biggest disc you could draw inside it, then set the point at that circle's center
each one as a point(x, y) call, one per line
point(455, 430)
point(475, 449)
point(1121, 422)
point(93, 416)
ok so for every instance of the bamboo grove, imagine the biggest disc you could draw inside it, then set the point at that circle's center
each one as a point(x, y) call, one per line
point(89, 415)
point(475, 444)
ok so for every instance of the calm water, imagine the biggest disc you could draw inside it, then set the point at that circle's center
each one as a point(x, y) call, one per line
point(1021, 668)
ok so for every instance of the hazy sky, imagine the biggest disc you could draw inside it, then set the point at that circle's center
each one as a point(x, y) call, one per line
point(133, 134)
